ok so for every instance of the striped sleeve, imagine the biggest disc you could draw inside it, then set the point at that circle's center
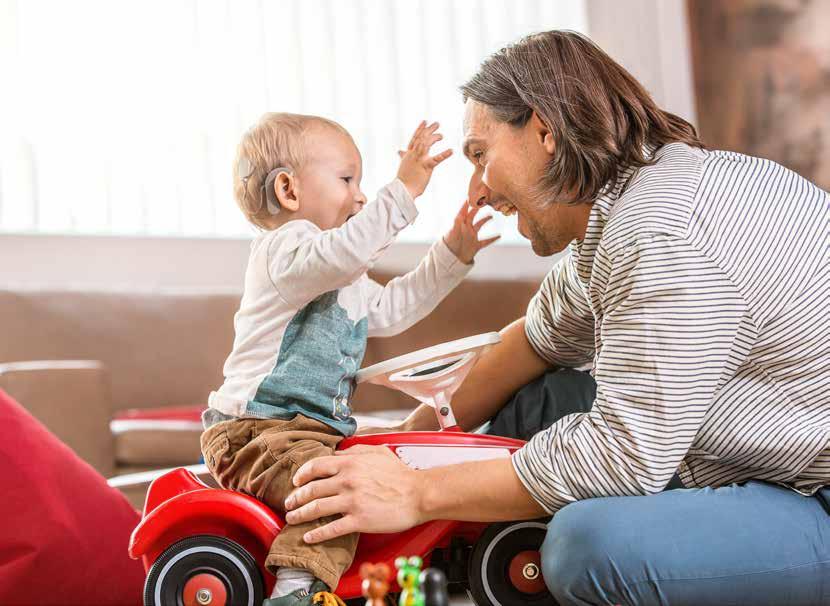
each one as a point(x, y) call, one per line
point(559, 323)
point(672, 324)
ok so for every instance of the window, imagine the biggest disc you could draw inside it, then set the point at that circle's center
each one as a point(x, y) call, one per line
point(122, 117)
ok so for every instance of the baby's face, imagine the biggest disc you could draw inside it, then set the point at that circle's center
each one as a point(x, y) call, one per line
point(329, 181)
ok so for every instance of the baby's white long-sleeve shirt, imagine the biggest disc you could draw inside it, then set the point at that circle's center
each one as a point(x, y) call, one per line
point(308, 308)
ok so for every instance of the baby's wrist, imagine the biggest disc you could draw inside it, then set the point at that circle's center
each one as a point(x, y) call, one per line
point(455, 249)
point(412, 189)
point(448, 242)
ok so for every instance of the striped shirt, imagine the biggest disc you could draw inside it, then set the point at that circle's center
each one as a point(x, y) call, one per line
point(700, 295)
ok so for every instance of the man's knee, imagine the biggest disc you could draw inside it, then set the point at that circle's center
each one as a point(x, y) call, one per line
point(542, 402)
point(582, 552)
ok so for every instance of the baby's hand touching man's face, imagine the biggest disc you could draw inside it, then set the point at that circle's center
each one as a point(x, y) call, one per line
point(416, 163)
point(463, 239)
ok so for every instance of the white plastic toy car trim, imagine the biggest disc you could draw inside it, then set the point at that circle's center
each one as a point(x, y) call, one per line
point(431, 375)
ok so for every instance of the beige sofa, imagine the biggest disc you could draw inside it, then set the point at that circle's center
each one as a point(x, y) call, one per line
point(78, 359)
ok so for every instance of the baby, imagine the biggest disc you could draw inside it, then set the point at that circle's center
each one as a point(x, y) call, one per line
point(306, 312)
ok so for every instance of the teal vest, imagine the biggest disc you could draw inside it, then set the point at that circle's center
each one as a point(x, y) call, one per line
point(321, 352)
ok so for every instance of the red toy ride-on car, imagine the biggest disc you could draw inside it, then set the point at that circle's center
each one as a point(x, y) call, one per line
point(205, 546)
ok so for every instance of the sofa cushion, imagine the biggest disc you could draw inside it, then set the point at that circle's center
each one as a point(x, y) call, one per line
point(159, 347)
point(169, 436)
point(66, 530)
point(158, 437)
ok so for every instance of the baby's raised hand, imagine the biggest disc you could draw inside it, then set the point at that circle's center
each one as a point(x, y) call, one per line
point(416, 163)
point(463, 238)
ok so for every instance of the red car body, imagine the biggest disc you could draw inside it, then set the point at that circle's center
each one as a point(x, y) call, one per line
point(179, 505)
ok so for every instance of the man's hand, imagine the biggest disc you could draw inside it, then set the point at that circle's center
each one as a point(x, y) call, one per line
point(370, 486)
point(463, 239)
point(374, 491)
point(416, 163)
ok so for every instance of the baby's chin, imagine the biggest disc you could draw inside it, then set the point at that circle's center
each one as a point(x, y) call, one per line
point(350, 217)
point(339, 222)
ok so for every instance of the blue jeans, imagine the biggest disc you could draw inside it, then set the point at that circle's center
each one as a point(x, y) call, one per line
point(755, 543)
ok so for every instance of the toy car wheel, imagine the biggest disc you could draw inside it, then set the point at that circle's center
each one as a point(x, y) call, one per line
point(204, 571)
point(505, 568)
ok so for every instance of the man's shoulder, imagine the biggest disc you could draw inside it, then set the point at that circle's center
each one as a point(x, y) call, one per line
point(659, 199)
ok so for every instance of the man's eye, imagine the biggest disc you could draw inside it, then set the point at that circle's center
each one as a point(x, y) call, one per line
point(347, 179)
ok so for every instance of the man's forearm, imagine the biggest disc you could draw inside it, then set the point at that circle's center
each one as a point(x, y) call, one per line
point(500, 372)
point(496, 494)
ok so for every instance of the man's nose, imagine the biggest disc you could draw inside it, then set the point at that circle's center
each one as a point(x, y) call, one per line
point(478, 194)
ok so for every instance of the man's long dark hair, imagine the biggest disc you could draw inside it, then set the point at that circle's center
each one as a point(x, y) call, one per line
point(601, 118)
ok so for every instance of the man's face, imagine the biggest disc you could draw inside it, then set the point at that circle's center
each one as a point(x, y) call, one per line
point(508, 165)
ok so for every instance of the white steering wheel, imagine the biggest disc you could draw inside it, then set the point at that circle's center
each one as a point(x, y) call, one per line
point(431, 375)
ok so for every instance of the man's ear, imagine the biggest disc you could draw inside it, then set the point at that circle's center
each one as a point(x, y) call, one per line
point(285, 188)
point(542, 133)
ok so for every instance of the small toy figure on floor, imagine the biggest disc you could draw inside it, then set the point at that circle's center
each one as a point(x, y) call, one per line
point(434, 587)
point(326, 598)
point(375, 583)
point(408, 579)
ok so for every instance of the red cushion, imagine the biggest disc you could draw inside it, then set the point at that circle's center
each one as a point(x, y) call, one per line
point(65, 531)
point(166, 413)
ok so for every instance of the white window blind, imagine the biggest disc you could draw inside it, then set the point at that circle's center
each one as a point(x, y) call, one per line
point(122, 117)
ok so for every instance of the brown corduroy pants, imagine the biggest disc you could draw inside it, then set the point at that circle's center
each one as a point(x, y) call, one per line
point(259, 457)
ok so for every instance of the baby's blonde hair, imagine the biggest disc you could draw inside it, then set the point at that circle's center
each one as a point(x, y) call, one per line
point(277, 140)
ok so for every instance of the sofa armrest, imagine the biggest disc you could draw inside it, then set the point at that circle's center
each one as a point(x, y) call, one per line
point(72, 399)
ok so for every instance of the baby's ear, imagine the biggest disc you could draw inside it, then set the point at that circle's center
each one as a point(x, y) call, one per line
point(285, 188)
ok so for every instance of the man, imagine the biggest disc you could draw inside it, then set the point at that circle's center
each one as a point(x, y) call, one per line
point(697, 286)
